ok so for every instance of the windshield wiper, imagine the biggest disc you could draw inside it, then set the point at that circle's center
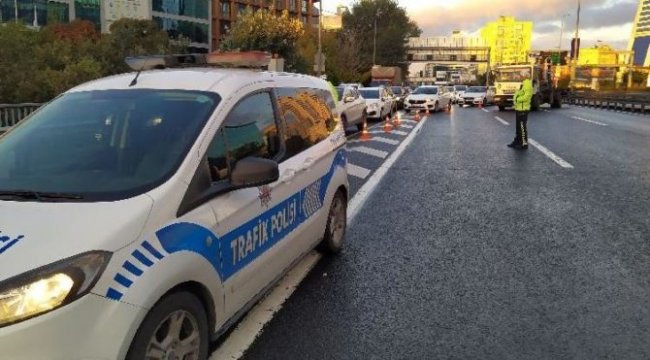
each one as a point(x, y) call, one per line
point(39, 196)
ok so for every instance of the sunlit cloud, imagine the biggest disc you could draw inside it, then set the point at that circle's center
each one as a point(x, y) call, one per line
point(606, 20)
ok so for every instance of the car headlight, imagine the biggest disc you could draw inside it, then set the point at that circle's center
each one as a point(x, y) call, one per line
point(478, 98)
point(373, 106)
point(50, 287)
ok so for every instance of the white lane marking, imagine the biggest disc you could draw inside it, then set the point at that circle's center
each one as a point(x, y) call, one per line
point(547, 110)
point(501, 120)
point(551, 155)
point(589, 121)
point(396, 132)
point(409, 121)
point(251, 326)
point(358, 171)
point(385, 140)
point(406, 126)
point(369, 151)
point(243, 336)
point(485, 110)
point(369, 186)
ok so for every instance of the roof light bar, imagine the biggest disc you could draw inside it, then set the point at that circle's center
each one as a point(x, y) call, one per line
point(246, 59)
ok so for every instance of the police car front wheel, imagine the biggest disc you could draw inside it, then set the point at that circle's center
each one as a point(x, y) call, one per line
point(336, 224)
point(175, 328)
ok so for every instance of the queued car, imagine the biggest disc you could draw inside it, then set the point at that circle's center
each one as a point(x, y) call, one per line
point(477, 95)
point(400, 93)
point(428, 97)
point(351, 106)
point(379, 102)
point(459, 91)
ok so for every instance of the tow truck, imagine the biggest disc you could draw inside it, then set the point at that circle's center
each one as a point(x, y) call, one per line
point(510, 77)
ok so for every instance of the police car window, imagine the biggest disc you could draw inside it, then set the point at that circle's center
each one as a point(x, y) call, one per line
point(307, 116)
point(249, 130)
point(104, 145)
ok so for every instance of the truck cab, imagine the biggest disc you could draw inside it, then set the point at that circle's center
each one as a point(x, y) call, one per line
point(509, 79)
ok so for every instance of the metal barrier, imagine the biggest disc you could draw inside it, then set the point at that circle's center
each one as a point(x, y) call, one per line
point(633, 102)
point(11, 114)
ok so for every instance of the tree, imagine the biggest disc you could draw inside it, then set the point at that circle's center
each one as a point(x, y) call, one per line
point(265, 31)
point(394, 27)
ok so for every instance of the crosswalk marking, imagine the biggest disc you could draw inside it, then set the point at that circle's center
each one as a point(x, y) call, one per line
point(385, 140)
point(358, 171)
point(370, 151)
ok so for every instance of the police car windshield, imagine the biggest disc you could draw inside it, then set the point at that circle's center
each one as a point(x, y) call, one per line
point(103, 145)
point(369, 94)
point(476, 89)
point(425, 91)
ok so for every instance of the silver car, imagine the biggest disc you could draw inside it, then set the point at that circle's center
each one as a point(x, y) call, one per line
point(351, 106)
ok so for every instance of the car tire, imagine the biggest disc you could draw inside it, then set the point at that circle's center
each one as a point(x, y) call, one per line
point(364, 121)
point(485, 103)
point(502, 108)
point(336, 225)
point(183, 307)
point(344, 122)
point(435, 107)
point(449, 106)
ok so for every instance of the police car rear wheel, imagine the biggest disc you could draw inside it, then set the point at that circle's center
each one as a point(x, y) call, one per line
point(336, 225)
point(176, 328)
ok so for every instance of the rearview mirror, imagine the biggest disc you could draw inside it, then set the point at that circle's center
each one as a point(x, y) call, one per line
point(349, 99)
point(254, 171)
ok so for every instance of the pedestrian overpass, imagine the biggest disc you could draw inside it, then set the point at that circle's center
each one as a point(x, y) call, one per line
point(448, 50)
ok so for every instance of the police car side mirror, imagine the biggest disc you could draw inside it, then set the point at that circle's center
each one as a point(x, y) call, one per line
point(349, 99)
point(253, 171)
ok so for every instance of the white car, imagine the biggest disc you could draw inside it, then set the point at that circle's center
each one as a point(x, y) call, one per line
point(380, 102)
point(427, 97)
point(478, 95)
point(351, 107)
point(142, 215)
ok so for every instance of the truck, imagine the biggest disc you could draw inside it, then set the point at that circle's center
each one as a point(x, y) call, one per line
point(508, 79)
point(386, 75)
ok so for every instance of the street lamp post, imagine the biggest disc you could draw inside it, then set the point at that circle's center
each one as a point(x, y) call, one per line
point(320, 38)
point(374, 42)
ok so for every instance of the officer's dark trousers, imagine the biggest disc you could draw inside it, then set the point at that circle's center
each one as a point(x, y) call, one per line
point(522, 128)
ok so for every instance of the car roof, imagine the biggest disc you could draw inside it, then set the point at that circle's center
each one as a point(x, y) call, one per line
point(429, 86)
point(199, 79)
point(372, 88)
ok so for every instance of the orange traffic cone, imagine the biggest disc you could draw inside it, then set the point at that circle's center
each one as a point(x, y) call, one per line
point(397, 121)
point(365, 135)
point(387, 126)
point(417, 116)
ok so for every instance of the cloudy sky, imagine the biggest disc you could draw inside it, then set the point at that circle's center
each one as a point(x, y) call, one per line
point(609, 21)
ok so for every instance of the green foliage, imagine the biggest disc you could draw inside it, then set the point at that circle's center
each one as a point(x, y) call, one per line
point(36, 66)
point(263, 30)
point(394, 27)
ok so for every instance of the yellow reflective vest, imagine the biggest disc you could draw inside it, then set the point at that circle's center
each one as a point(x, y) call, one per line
point(524, 96)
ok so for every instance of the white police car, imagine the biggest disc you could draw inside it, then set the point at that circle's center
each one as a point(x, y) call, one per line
point(141, 216)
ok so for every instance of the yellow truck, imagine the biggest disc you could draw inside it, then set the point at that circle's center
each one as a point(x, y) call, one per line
point(508, 79)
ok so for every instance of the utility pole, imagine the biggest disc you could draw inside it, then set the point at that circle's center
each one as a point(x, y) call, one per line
point(16, 11)
point(320, 38)
point(374, 46)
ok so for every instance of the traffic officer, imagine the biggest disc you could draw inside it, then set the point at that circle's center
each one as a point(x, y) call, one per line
point(522, 100)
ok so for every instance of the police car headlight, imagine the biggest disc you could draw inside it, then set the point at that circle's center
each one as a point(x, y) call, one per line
point(50, 287)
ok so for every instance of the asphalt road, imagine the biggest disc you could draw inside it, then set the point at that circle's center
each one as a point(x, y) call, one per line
point(470, 250)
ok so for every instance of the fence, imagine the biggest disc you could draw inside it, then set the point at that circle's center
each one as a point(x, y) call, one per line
point(633, 102)
point(10, 115)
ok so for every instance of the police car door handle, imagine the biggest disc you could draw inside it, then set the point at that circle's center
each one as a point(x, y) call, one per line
point(287, 176)
point(309, 162)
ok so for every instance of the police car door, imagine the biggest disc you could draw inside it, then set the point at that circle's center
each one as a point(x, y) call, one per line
point(254, 224)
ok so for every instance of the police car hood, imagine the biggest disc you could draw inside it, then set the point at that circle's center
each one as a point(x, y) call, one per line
point(34, 234)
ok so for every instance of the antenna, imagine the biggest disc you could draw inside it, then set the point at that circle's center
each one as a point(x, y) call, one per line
point(137, 75)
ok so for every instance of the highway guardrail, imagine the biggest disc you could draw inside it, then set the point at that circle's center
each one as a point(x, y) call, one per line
point(11, 114)
point(632, 102)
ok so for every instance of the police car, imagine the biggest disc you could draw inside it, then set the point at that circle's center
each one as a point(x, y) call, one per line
point(142, 214)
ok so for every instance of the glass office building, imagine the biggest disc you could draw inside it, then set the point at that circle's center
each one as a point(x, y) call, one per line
point(187, 19)
point(40, 13)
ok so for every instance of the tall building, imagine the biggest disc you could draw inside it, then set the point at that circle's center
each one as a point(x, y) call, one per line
point(640, 39)
point(202, 22)
point(225, 13)
point(39, 13)
point(509, 40)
